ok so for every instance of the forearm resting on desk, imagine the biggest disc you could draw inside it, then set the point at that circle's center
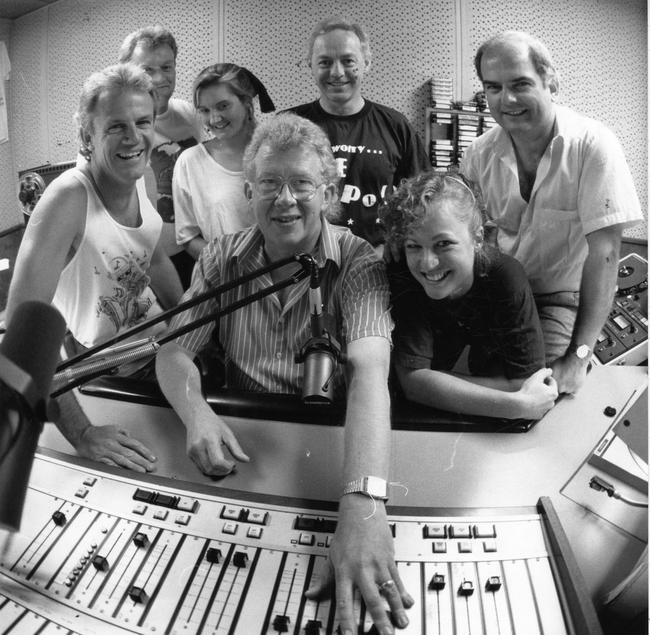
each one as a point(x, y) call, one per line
point(481, 396)
point(107, 444)
point(207, 433)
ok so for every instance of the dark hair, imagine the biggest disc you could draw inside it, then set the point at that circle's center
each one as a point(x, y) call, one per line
point(286, 131)
point(151, 36)
point(334, 23)
point(537, 51)
point(119, 77)
point(240, 81)
point(229, 74)
point(407, 206)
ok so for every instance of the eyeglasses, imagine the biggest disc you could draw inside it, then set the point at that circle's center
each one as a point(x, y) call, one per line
point(301, 188)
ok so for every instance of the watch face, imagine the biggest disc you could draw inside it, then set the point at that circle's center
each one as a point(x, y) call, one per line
point(582, 351)
point(376, 486)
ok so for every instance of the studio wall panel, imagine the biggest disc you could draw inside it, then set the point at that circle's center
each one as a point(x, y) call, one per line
point(9, 215)
point(601, 52)
point(600, 49)
point(59, 47)
point(409, 41)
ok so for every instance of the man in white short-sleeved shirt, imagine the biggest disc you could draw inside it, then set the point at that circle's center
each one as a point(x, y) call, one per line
point(558, 189)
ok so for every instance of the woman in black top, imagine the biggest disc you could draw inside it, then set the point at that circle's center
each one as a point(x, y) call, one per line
point(450, 291)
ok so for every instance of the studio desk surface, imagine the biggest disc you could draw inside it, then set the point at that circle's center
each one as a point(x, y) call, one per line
point(476, 471)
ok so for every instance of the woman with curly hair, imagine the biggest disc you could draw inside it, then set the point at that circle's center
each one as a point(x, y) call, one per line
point(451, 290)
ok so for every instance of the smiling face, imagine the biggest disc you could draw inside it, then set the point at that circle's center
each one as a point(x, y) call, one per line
point(121, 135)
point(440, 252)
point(223, 112)
point(518, 98)
point(160, 64)
point(289, 226)
point(338, 66)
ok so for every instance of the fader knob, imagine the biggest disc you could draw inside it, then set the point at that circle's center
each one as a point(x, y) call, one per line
point(59, 518)
point(240, 559)
point(140, 540)
point(100, 563)
point(437, 582)
point(493, 583)
point(313, 627)
point(138, 594)
point(466, 588)
point(281, 623)
point(213, 555)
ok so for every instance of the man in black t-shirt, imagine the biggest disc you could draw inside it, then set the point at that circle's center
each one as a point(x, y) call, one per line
point(375, 146)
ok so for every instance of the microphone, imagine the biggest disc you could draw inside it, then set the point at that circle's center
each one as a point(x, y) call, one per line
point(29, 352)
point(321, 353)
point(106, 361)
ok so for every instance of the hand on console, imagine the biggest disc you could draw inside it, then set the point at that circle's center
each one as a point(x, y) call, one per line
point(114, 446)
point(362, 556)
point(206, 438)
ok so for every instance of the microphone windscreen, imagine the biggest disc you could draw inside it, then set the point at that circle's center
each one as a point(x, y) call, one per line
point(32, 341)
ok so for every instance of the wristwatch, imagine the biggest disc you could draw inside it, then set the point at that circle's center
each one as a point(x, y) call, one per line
point(582, 351)
point(371, 486)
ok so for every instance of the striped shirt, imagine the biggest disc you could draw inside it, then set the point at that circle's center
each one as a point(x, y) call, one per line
point(261, 340)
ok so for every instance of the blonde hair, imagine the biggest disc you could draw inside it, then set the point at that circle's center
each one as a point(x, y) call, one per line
point(119, 78)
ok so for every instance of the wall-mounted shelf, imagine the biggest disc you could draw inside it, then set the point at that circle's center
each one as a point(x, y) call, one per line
point(449, 131)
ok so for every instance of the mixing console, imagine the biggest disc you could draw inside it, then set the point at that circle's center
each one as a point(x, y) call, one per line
point(102, 553)
point(624, 337)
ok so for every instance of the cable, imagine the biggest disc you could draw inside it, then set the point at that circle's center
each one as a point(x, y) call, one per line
point(638, 460)
point(601, 485)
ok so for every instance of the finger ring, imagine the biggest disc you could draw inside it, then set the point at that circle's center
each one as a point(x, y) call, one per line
point(385, 586)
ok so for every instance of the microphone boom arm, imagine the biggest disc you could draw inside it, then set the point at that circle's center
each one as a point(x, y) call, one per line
point(149, 346)
point(188, 304)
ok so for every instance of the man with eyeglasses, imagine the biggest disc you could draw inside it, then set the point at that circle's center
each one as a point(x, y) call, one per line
point(291, 185)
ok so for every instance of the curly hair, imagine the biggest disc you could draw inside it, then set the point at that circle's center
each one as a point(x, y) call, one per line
point(150, 36)
point(118, 78)
point(286, 131)
point(404, 210)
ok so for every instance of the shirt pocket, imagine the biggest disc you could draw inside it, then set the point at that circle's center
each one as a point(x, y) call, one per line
point(559, 237)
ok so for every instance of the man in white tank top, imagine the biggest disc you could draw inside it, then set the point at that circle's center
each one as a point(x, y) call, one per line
point(92, 245)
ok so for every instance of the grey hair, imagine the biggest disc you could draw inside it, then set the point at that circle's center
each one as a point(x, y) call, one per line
point(286, 131)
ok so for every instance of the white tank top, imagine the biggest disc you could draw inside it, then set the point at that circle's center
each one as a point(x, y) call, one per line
point(105, 287)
